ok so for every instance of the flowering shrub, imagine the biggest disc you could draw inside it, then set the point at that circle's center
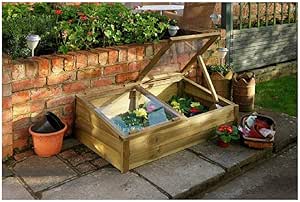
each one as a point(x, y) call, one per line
point(67, 28)
point(227, 133)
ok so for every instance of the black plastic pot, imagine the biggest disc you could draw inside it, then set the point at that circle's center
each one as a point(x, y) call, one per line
point(51, 123)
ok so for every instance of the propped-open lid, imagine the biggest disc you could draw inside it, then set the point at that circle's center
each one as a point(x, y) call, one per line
point(188, 47)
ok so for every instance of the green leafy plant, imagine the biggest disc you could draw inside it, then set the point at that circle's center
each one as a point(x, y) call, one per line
point(186, 106)
point(222, 69)
point(227, 133)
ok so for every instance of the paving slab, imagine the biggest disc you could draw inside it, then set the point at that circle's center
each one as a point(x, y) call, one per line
point(13, 190)
point(273, 179)
point(107, 183)
point(179, 173)
point(286, 127)
point(69, 143)
point(41, 173)
point(5, 171)
point(233, 157)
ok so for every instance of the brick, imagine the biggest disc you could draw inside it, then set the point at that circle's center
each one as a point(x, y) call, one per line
point(21, 133)
point(149, 51)
point(75, 87)
point(6, 74)
point(57, 64)
point(7, 127)
point(21, 121)
point(28, 84)
point(69, 62)
point(18, 71)
point(23, 155)
point(61, 78)
point(89, 73)
point(19, 109)
point(69, 109)
point(21, 96)
point(6, 89)
point(101, 82)
point(20, 144)
point(131, 54)
point(7, 151)
point(140, 53)
point(81, 60)
point(6, 115)
point(7, 139)
point(125, 77)
point(37, 106)
point(60, 101)
point(92, 58)
point(109, 70)
point(113, 56)
point(134, 66)
point(45, 92)
point(43, 66)
point(103, 58)
point(6, 102)
point(123, 54)
point(37, 116)
point(85, 167)
point(31, 69)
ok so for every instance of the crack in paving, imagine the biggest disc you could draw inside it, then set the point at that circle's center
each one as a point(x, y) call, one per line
point(201, 156)
point(156, 186)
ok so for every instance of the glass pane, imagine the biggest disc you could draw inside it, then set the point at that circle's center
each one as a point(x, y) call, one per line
point(133, 111)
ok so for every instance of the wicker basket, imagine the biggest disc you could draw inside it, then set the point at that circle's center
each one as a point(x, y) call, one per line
point(258, 143)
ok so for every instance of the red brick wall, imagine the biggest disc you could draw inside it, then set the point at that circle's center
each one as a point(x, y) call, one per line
point(35, 85)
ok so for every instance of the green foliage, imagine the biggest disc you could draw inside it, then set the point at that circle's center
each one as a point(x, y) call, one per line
point(69, 28)
point(21, 20)
point(227, 133)
point(278, 95)
point(186, 105)
point(222, 69)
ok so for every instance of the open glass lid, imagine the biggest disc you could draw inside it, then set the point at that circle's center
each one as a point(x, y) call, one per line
point(134, 110)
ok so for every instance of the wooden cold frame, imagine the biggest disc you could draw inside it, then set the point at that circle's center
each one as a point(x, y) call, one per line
point(127, 152)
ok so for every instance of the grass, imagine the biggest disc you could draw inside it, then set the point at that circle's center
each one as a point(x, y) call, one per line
point(278, 95)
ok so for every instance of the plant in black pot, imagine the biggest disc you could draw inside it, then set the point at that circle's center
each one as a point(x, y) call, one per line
point(47, 135)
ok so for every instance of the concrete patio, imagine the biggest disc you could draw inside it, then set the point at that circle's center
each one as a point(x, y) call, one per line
point(78, 173)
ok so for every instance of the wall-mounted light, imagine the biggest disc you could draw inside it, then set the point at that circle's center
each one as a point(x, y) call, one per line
point(32, 42)
point(222, 52)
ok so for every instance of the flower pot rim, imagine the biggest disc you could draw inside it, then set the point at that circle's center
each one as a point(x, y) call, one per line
point(173, 27)
point(223, 76)
point(48, 134)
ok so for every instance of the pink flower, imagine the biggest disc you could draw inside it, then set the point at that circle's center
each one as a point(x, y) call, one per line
point(83, 17)
point(150, 108)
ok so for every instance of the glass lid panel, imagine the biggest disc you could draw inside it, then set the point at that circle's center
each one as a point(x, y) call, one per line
point(133, 110)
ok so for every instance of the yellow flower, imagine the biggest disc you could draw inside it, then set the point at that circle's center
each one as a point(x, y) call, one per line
point(141, 112)
point(174, 103)
point(195, 104)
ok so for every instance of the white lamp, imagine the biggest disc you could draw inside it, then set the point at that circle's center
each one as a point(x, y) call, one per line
point(222, 52)
point(32, 42)
point(215, 18)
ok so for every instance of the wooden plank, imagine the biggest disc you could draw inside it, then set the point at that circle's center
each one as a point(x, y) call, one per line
point(266, 43)
point(269, 28)
point(241, 15)
point(289, 12)
point(164, 92)
point(274, 14)
point(154, 60)
point(264, 34)
point(242, 66)
point(249, 15)
point(195, 36)
point(187, 67)
point(125, 158)
point(101, 149)
point(97, 118)
point(263, 51)
point(258, 15)
point(207, 79)
point(267, 53)
point(267, 17)
point(281, 13)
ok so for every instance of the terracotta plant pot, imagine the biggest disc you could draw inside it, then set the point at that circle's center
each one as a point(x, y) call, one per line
point(222, 144)
point(48, 144)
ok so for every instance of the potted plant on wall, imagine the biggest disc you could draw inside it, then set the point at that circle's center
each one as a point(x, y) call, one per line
point(173, 28)
point(226, 133)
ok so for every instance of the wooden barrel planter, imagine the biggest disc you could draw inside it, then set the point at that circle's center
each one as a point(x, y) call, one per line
point(222, 83)
point(244, 91)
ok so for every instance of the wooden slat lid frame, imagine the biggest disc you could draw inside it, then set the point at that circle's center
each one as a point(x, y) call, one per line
point(212, 36)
